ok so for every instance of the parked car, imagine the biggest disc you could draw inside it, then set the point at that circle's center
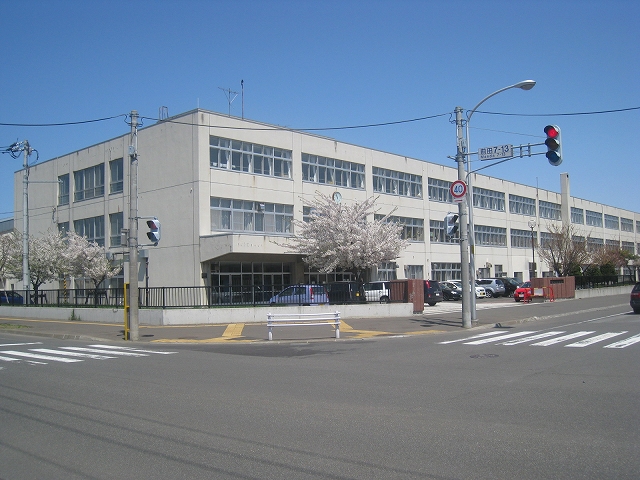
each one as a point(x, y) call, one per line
point(432, 292)
point(346, 292)
point(10, 297)
point(521, 290)
point(510, 285)
point(635, 298)
point(301, 295)
point(494, 287)
point(377, 292)
point(480, 291)
point(451, 291)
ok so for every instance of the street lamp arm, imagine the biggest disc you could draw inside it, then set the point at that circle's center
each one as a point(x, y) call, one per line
point(524, 85)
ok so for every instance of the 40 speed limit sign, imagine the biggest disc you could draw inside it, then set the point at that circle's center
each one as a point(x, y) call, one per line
point(458, 190)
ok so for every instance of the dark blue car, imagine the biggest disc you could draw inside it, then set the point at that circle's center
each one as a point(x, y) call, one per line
point(10, 298)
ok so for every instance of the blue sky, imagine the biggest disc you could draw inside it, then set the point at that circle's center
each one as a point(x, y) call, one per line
point(322, 64)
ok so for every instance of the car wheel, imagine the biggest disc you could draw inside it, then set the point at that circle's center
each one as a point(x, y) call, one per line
point(432, 304)
point(516, 299)
point(636, 310)
point(489, 294)
point(384, 299)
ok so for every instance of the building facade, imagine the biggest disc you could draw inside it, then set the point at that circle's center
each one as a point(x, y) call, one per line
point(226, 191)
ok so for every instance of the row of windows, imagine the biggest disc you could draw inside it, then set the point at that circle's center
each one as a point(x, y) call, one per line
point(412, 228)
point(331, 171)
point(549, 210)
point(488, 199)
point(397, 183)
point(89, 182)
point(249, 157)
point(247, 216)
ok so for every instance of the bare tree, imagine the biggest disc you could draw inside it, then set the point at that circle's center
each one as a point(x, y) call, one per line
point(563, 253)
point(339, 236)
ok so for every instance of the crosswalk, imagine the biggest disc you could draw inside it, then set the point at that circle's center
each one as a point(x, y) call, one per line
point(553, 337)
point(33, 353)
point(452, 307)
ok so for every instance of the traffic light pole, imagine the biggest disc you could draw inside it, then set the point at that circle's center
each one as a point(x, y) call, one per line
point(467, 288)
point(133, 230)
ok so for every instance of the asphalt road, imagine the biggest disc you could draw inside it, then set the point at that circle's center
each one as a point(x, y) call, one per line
point(469, 404)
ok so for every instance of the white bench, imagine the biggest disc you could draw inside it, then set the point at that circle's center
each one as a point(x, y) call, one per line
point(302, 319)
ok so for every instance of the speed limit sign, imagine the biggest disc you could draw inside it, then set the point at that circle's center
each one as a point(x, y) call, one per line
point(458, 190)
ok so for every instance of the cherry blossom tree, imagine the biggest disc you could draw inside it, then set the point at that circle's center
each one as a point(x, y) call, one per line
point(46, 258)
point(84, 258)
point(340, 236)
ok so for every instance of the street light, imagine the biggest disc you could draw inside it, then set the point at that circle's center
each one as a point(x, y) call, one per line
point(524, 85)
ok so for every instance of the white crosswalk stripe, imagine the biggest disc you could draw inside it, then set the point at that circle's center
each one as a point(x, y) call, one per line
point(452, 307)
point(66, 354)
point(552, 338)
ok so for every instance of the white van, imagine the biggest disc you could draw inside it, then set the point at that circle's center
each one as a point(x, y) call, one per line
point(378, 292)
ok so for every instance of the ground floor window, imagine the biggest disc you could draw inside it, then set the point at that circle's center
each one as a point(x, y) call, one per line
point(413, 271)
point(316, 277)
point(445, 271)
point(387, 271)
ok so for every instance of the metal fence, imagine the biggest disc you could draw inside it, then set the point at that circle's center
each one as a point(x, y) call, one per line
point(152, 297)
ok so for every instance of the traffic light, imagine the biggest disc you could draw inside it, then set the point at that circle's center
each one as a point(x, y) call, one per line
point(553, 143)
point(450, 222)
point(154, 230)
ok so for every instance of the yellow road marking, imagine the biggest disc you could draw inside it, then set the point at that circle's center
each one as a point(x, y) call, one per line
point(233, 330)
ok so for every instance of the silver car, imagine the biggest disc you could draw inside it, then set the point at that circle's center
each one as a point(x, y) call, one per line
point(493, 286)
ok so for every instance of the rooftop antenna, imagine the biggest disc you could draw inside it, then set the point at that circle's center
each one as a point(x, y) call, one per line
point(242, 85)
point(228, 92)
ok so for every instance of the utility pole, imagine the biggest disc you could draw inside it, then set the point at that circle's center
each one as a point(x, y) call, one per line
point(26, 280)
point(133, 229)
point(467, 288)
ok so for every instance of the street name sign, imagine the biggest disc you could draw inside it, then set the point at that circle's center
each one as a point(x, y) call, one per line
point(499, 151)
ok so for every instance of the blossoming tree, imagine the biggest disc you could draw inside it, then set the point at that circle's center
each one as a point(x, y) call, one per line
point(339, 236)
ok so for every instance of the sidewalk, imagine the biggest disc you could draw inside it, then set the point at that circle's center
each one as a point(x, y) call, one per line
point(430, 322)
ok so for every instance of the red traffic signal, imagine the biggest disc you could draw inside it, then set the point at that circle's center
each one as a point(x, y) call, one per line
point(554, 147)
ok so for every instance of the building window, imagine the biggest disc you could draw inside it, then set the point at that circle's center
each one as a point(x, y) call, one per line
point(116, 224)
point(626, 224)
point(238, 156)
point(445, 271)
point(522, 205)
point(387, 271)
point(331, 171)
point(637, 226)
point(521, 238)
point(611, 222)
point(438, 233)
point(412, 228)
point(116, 172)
point(413, 271)
point(545, 239)
point(550, 210)
point(397, 183)
point(88, 183)
point(63, 189)
point(577, 215)
point(63, 228)
point(438, 190)
point(489, 199)
point(92, 228)
point(247, 216)
point(491, 236)
point(594, 244)
point(628, 247)
point(593, 219)
point(610, 243)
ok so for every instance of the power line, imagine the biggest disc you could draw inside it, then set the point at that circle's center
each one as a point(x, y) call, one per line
point(61, 124)
point(559, 114)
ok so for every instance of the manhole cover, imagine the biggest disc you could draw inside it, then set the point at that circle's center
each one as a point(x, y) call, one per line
point(484, 355)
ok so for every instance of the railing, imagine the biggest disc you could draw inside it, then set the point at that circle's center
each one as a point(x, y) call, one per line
point(152, 297)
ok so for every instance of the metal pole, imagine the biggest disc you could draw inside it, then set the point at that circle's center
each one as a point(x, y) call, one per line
point(133, 229)
point(467, 288)
point(26, 280)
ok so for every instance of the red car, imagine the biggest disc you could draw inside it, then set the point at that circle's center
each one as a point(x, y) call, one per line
point(520, 291)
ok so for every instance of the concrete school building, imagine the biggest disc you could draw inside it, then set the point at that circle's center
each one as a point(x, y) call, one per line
point(226, 191)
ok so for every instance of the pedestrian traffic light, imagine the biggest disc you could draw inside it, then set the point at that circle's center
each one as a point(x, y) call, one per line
point(553, 143)
point(154, 230)
point(450, 222)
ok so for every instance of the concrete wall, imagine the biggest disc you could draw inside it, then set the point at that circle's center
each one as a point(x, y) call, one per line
point(203, 316)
